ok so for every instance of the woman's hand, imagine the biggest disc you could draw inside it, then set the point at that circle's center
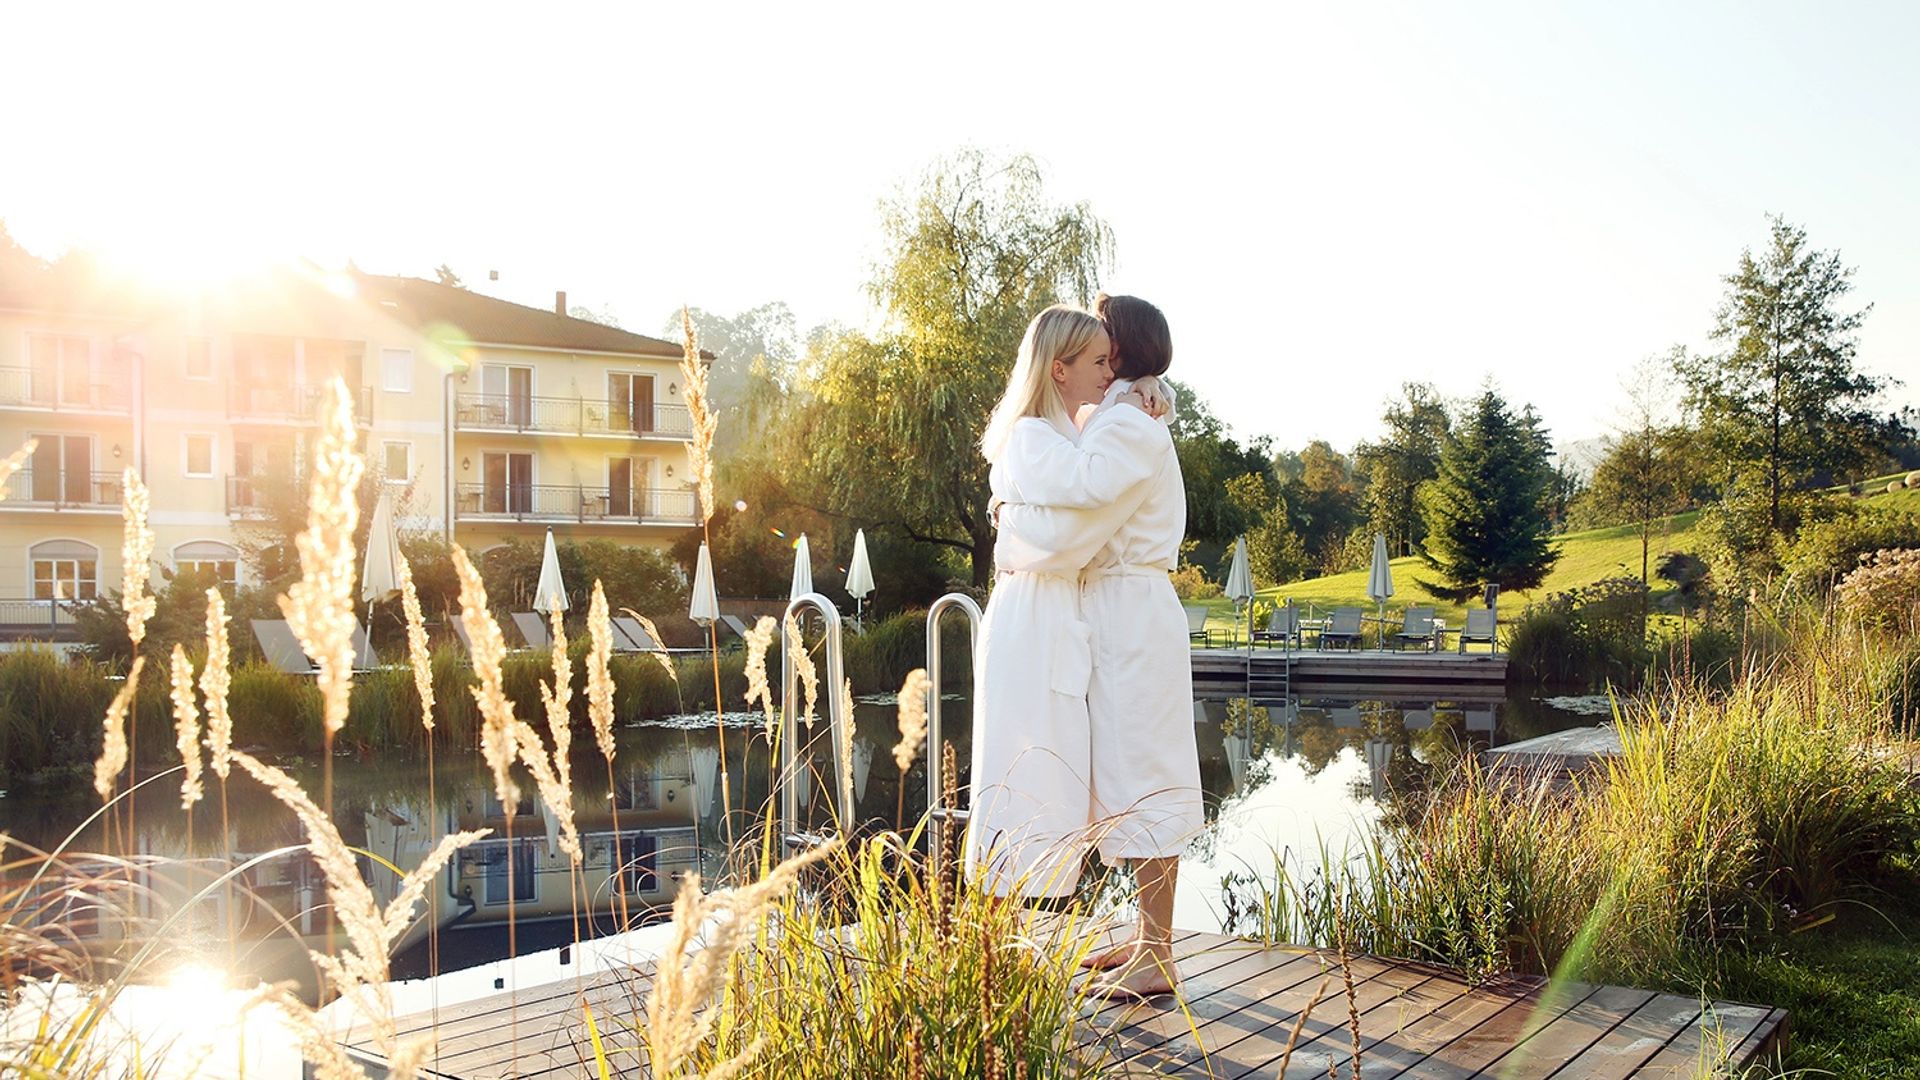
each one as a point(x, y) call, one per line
point(1152, 404)
point(1158, 402)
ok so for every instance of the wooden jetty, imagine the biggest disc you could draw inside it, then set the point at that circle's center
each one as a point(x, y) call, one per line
point(1239, 1005)
point(1276, 674)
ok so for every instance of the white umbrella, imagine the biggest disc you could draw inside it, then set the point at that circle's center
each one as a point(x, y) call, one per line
point(379, 578)
point(705, 606)
point(1240, 581)
point(1380, 581)
point(550, 595)
point(802, 569)
point(859, 573)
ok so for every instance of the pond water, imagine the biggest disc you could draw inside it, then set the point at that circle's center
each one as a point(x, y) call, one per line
point(1282, 778)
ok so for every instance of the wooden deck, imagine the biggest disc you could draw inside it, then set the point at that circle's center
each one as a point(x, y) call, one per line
point(1241, 1002)
point(1277, 673)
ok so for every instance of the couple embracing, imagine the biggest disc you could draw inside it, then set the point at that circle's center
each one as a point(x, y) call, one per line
point(1083, 684)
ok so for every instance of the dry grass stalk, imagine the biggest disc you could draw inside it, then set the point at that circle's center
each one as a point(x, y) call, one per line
point(215, 678)
point(687, 978)
point(693, 375)
point(113, 745)
point(846, 733)
point(913, 718)
point(665, 661)
point(359, 973)
point(186, 728)
point(759, 639)
point(803, 666)
point(136, 555)
point(599, 677)
point(419, 655)
point(1300, 1023)
point(489, 648)
point(319, 607)
point(1346, 977)
point(14, 462)
point(991, 1065)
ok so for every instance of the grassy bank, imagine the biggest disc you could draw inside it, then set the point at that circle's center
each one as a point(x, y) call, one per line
point(1730, 823)
point(50, 708)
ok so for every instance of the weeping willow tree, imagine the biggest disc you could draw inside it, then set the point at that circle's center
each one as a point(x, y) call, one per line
point(886, 425)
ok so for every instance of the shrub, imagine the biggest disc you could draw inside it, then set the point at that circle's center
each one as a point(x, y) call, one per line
point(1828, 550)
point(41, 697)
point(1591, 635)
point(1884, 593)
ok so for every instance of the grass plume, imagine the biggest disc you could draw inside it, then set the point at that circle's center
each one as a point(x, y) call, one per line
point(489, 649)
point(419, 653)
point(319, 606)
point(216, 679)
point(912, 705)
point(700, 415)
point(14, 462)
point(803, 666)
point(599, 678)
point(136, 555)
point(759, 638)
point(186, 728)
point(113, 746)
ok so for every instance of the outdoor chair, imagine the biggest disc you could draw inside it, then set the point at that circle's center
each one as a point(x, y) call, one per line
point(1482, 624)
point(1342, 629)
point(282, 648)
point(1283, 626)
point(1416, 626)
point(533, 627)
point(735, 624)
point(1197, 625)
point(630, 637)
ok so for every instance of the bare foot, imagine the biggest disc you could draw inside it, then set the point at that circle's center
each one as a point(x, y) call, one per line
point(1107, 959)
point(1149, 972)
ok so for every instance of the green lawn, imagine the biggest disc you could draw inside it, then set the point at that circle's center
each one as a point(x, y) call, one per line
point(1585, 557)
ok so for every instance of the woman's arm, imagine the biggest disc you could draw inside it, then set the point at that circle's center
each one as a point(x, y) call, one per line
point(1048, 469)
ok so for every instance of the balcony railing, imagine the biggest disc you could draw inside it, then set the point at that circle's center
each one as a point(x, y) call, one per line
point(569, 502)
point(26, 616)
point(292, 404)
point(42, 390)
point(62, 489)
point(569, 416)
point(246, 495)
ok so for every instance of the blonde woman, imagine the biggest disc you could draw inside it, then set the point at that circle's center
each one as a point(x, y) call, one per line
point(1144, 765)
point(1031, 796)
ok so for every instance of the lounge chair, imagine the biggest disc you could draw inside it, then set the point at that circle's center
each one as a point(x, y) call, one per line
point(630, 637)
point(1417, 626)
point(1283, 626)
point(283, 650)
point(735, 624)
point(1197, 625)
point(1342, 629)
point(1482, 625)
point(533, 627)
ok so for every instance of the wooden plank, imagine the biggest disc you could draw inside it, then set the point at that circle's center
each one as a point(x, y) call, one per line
point(1428, 989)
point(1569, 1035)
point(1221, 995)
point(1711, 1038)
point(1622, 1052)
point(1473, 1049)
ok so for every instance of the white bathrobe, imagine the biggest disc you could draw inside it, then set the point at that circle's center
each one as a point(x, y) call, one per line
point(1144, 765)
point(1032, 799)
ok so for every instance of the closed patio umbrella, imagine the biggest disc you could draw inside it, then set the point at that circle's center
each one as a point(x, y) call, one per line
point(551, 594)
point(379, 576)
point(859, 573)
point(1240, 591)
point(1380, 582)
point(704, 608)
point(802, 569)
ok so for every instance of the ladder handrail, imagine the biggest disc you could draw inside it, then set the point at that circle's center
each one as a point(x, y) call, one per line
point(934, 745)
point(838, 726)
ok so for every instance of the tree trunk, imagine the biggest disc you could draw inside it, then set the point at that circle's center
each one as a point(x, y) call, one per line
point(981, 530)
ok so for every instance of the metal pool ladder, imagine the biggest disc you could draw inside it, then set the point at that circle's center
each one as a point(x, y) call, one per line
point(962, 601)
point(839, 727)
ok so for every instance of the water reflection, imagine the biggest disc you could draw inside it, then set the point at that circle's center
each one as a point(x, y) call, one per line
point(1294, 776)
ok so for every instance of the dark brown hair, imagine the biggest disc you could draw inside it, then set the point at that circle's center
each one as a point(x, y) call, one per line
point(1142, 344)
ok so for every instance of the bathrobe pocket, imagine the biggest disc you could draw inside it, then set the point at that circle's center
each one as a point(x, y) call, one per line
point(1071, 669)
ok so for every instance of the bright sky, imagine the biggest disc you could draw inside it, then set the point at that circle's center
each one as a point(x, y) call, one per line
point(1326, 199)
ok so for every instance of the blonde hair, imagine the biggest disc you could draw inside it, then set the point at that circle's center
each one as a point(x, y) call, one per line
point(1058, 333)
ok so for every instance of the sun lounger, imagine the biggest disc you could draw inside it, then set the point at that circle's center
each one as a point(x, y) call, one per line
point(1197, 624)
point(630, 637)
point(533, 627)
point(734, 623)
point(1342, 629)
point(1483, 626)
point(282, 648)
point(1283, 626)
point(1417, 627)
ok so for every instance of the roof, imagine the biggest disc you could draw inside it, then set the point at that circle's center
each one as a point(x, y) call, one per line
point(485, 320)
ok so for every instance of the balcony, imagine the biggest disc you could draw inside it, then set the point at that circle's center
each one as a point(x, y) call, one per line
point(247, 496)
point(44, 620)
point(570, 416)
point(40, 390)
point(291, 404)
point(62, 489)
point(555, 504)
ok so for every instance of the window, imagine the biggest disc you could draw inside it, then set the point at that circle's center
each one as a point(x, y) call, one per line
point(495, 857)
point(209, 559)
point(396, 370)
point(199, 358)
point(65, 570)
point(61, 369)
point(61, 472)
point(198, 455)
point(399, 460)
point(630, 402)
point(638, 870)
point(507, 483)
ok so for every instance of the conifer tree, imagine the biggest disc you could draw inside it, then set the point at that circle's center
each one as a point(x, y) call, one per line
point(1487, 512)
